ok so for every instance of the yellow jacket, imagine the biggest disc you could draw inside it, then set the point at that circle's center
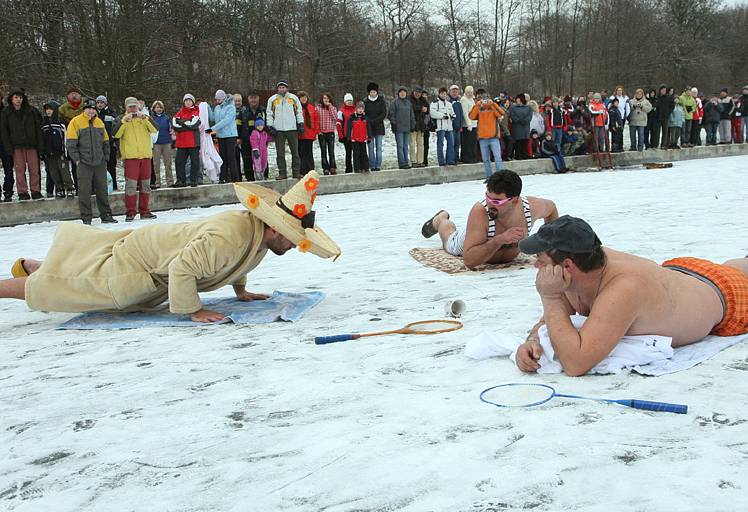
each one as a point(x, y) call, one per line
point(136, 270)
point(135, 138)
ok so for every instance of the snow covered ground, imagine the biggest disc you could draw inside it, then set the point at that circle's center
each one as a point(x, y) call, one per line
point(258, 418)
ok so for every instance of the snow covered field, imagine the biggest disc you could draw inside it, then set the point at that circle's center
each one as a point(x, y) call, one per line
point(258, 418)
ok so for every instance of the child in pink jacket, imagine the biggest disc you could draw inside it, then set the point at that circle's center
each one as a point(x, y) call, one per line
point(259, 141)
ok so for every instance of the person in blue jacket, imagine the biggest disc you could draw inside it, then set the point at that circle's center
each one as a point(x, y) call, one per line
point(224, 125)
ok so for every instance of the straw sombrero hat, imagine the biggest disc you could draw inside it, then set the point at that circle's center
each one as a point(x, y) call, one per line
point(290, 214)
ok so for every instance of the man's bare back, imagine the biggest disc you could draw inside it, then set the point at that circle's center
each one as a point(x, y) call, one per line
point(669, 303)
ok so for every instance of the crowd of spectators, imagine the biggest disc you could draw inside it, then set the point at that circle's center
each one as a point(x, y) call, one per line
point(223, 140)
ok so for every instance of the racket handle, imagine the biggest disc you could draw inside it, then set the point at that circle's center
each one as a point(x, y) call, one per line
point(656, 406)
point(323, 340)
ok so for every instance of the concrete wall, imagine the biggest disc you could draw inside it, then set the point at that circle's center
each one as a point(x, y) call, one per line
point(15, 213)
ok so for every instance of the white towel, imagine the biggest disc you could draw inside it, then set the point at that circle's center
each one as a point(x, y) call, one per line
point(209, 157)
point(647, 355)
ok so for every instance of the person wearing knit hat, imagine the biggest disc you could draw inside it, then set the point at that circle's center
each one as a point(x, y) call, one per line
point(375, 109)
point(402, 122)
point(108, 116)
point(284, 118)
point(224, 126)
point(347, 109)
point(137, 270)
point(186, 124)
point(88, 145)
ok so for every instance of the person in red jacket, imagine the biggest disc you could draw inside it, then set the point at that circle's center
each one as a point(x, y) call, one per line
point(186, 124)
point(307, 137)
point(358, 132)
point(345, 112)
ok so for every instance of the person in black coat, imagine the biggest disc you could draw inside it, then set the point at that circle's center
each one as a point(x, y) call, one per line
point(375, 109)
point(665, 107)
point(549, 149)
point(615, 126)
point(652, 130)
point(6, 156)
point(21, 132)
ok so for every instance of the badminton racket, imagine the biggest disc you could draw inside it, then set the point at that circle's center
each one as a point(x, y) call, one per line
point(532, 395)
point(423, 327)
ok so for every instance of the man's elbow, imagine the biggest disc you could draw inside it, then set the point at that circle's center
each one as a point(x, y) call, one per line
point(470, 262)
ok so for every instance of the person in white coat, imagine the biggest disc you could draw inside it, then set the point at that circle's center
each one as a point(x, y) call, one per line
point(285, 121)
point(623, 104)
point(442, 113)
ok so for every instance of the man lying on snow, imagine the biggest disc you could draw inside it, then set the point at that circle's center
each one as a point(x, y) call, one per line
point(495, 224)
point(136, 270)
point(620, 294)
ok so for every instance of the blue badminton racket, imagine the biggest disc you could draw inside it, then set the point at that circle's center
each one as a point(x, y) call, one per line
point(545, 393)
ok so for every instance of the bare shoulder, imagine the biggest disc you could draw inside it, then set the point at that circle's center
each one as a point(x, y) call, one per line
point(478, 216)
point(540, 207)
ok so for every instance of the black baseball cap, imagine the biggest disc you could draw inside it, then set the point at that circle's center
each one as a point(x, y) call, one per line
point(567, 233)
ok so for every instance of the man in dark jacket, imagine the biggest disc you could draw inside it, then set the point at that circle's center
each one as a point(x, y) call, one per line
point(375, 109)
point(7, 160)
point(665, 106)
point(88, 146)
point(712, 114)
point(53, 132)
point(251, 113)
point(520, 115)
point(402, 121)
point(420, 109)
point(108, 116)
point(725, 124)
point(20, 128)
point(454, 99)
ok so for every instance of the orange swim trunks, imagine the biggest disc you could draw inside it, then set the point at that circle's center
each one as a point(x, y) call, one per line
point(731, 283)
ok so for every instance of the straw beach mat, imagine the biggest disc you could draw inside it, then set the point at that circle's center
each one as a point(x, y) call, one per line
point(440, 260)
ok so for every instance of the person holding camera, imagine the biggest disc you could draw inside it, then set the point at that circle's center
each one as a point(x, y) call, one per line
point(488, 114)
point(134, 134)
point(688, 102)
point(443, 114)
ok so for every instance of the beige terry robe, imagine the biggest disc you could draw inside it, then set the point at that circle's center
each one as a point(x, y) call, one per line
point(90, 269)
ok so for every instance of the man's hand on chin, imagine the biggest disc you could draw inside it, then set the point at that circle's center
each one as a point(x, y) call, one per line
point(206, 316)
point(552, 281)
point(246, 296)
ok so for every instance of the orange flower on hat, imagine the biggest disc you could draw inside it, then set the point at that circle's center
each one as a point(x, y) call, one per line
point(299, 210)
point(305, 245)
point(253, 201)
point(311, 184)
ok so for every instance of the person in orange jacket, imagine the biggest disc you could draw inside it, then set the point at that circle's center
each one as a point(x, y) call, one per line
point(599, 122)
point(488, 114)
point(307, 137)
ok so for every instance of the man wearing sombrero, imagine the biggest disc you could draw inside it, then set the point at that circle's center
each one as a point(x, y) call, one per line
point(136, 270)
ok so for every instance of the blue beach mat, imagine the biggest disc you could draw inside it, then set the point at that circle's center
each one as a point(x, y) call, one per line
point(286, 306)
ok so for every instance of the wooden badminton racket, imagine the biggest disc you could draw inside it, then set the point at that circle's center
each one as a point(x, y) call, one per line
point(423, 327)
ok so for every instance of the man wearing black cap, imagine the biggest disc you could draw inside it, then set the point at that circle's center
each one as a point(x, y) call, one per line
point(622, 294)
